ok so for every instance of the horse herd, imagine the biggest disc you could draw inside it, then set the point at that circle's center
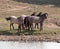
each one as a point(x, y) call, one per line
point(28, 21)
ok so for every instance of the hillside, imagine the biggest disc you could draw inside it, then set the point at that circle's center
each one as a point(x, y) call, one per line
point(19, 7)
point(27, 6)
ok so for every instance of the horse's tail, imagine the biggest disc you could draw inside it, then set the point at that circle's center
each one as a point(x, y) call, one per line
point(9, 18)
point(26, 21)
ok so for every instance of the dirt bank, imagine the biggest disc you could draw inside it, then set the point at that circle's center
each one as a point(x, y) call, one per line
point(42, 37)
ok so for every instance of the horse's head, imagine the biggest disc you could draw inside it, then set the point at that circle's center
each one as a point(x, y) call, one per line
point(8, 18)
point(44, 16)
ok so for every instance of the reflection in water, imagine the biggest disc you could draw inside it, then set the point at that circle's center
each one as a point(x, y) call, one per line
point(28, 45)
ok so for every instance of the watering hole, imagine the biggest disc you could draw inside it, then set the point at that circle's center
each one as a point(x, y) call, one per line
point(28, 45)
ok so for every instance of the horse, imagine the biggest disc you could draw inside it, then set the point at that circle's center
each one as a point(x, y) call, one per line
point(34, 19)
point(15, 20)
point(23, 17)
point(36, 24)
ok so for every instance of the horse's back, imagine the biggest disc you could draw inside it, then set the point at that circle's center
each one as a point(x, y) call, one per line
point(34, 19)
point(14, 17)
point(24, 15)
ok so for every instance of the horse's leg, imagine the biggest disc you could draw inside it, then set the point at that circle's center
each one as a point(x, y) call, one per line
point(12, 25)
point(23, 26)
point(31, 26)
point(19, 29)
point(28, 26)
point(41, 26)
point(37, 25)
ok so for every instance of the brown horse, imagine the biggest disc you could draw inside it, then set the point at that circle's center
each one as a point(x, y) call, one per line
point(34, 19)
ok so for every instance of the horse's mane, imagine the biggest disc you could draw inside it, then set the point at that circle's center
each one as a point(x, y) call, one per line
point(33, 13)
point(20, 18)
point(39, 14)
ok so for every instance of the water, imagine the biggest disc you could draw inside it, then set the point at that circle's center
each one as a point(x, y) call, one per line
point(28, 45)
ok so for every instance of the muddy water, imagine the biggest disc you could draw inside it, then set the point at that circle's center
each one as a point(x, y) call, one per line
point(28, 45)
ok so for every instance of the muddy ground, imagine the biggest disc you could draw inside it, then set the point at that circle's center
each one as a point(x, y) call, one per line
point(41, 37)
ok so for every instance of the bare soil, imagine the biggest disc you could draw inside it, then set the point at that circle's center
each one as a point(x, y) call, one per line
point(41, 37)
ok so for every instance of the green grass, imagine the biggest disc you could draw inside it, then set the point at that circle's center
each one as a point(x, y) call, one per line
point(31, 32)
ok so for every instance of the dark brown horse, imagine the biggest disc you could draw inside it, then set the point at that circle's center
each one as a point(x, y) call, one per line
point(34, 19)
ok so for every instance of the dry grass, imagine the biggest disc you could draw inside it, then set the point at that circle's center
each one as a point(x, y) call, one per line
point(12, 7)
